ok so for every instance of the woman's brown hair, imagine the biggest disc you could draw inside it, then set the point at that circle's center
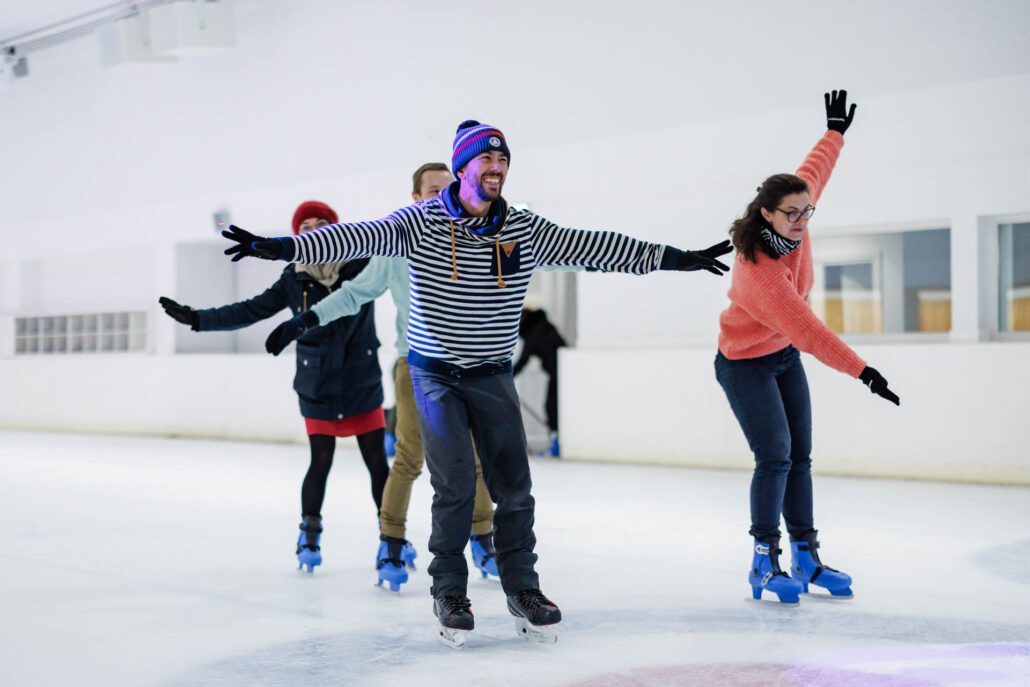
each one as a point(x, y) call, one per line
point(746, 232)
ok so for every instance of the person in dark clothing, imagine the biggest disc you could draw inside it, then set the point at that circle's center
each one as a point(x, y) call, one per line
point(338, 380)
point(470, 258)
point(540, 338)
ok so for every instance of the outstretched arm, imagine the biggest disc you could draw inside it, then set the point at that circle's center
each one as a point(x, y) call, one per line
point(612, 252)
point(235, 315)
point(395, 235)
point(348, 300)
point(371, 283)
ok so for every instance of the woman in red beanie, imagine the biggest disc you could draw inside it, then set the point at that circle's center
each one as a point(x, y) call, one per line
point(759, 364)
point(338, 380)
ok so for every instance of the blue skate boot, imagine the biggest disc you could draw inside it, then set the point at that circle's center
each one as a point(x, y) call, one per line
point(409, 554)
point(765, 574)
point(309, 553)
point(483, 554)
point(808, 569)
point(389, 564)
point(390, 444)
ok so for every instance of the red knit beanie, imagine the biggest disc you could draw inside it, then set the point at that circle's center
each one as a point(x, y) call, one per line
point(312, 208)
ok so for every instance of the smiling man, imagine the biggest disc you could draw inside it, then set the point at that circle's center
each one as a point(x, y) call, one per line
point(470, 257)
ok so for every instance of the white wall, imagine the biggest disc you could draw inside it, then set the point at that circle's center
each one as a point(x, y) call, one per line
point(656, 123)
point(962, 415)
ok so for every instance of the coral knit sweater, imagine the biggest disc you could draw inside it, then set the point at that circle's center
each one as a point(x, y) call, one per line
point(769, 298)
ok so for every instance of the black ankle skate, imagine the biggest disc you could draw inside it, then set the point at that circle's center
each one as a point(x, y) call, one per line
point(536, 616)
point(455, 614)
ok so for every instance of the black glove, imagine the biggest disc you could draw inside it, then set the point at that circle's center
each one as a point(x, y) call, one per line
point(878, 385)
point(257, 246)
point(289, 330)
point(690, 260)
point(837, 116)
point(180, 313)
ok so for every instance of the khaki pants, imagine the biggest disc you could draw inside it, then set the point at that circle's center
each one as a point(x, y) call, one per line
point(407, 466)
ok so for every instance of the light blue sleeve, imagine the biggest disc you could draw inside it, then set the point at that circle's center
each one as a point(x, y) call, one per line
point(370, 284)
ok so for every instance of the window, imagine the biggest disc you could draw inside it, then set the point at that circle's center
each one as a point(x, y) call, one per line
point(70, 334)
point(1014, 277)
point(883, 283)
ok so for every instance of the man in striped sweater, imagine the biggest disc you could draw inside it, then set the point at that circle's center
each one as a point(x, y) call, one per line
point(470, 257)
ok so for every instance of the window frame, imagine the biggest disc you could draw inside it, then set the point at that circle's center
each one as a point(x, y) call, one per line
point(990, 276)
point(891, 228)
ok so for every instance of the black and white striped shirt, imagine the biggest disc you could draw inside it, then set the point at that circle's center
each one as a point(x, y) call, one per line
point(472, 319)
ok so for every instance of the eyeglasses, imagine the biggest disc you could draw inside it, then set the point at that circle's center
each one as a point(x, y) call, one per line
point(795, 215)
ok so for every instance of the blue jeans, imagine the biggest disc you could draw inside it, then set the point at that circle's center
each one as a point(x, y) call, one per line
point(769, 396)
point(450, 405)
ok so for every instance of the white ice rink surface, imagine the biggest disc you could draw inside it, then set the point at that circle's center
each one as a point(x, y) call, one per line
point(133, 561)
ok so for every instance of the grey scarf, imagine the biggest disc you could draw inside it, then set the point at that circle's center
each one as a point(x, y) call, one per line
point(326, 274)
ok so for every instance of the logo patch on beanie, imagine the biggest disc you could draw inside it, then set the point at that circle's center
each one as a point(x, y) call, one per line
point(495, 142)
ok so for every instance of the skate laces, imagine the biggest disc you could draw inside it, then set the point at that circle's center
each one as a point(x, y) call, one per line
point(455, 603)
point(532, 599)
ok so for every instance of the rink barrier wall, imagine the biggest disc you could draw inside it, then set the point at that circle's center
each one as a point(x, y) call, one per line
point(654, 406)
point(962, 416)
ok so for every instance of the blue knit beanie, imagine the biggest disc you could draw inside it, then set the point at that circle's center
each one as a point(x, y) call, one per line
point(473, 138)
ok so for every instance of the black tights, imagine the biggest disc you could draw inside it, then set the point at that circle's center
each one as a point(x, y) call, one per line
point(312, 491)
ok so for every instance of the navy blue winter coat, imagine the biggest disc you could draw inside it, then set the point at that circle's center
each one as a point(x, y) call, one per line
point(338, 371)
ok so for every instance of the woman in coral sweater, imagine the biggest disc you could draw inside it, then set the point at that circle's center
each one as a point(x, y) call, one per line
point(759, 363)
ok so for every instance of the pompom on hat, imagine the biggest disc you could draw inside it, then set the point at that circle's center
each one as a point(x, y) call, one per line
point(313, 208)
point(473, 138)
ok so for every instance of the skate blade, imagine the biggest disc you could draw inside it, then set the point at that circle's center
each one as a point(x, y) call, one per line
point(773, 602)
point(451, 637)
point(394, 586)
point(544, 634)
point(757, 597)
point(830, 596)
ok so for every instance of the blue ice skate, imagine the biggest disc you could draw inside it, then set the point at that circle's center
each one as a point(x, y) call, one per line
point(409, 554)
point(808, 569)
point(309, 553)
point(483, 554)
point(389, 564)
point(390, 444)
point(765, 574)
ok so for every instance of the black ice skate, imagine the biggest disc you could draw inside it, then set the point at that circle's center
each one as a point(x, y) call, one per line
point(455, 614)
point(536, 616)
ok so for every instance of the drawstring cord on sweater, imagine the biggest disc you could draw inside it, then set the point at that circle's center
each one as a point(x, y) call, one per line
point(454, 258)
point(497, 244)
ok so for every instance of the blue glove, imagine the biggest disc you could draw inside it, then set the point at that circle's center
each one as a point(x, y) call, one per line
point(248, 244)
point(289, 331)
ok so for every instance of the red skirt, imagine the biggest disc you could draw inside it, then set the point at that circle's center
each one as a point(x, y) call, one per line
point(348, 426)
